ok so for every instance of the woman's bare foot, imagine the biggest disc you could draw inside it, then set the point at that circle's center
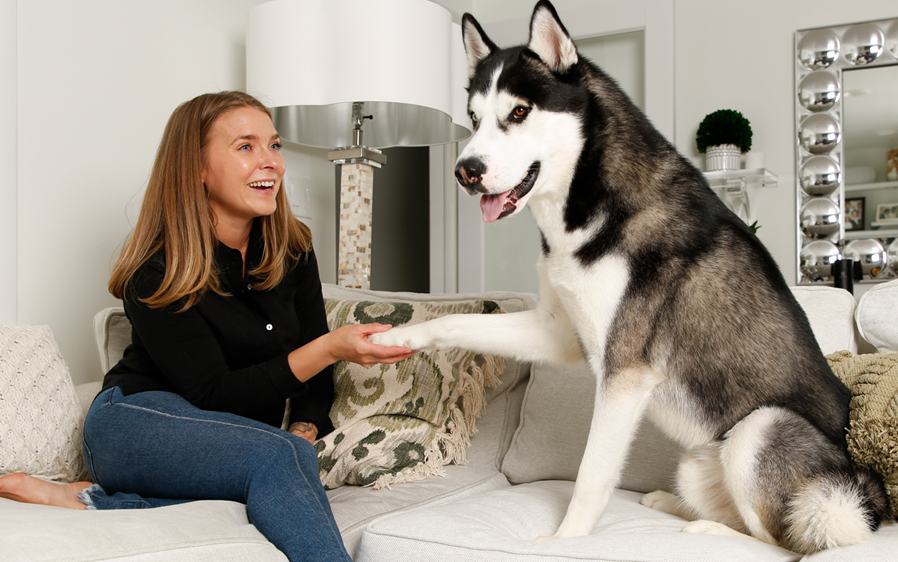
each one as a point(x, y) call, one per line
point(28, 489)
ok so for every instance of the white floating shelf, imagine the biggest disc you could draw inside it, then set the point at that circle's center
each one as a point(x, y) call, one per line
point(877, 185)
point(861, 234)
point(737, 180)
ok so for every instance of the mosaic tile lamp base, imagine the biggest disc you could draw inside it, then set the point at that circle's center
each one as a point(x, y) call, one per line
point(354, 256)
point(356, 191)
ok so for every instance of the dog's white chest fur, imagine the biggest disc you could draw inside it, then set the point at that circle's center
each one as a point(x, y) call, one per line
point(589, 295)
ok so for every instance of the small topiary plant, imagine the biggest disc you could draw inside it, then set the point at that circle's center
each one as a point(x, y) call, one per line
point(724, 126)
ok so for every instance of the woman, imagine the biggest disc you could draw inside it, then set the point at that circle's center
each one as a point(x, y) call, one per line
point(221, 286)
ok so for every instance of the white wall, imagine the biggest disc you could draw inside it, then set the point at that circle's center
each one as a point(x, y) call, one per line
point(97, 80)
point(8, 163)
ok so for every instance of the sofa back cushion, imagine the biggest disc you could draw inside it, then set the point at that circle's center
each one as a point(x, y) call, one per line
point(551, 438)
point(876, 317)
point(831, 314)
point(559, 401)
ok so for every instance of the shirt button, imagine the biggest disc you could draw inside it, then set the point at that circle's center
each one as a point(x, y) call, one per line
point(269, 327)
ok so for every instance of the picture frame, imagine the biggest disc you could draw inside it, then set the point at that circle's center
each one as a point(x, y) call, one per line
point(887, 212)
point(854, 213)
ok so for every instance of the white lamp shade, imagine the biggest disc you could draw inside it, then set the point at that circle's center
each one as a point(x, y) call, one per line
point(311, 59)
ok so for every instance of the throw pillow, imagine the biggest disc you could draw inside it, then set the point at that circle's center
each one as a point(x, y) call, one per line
point(873, 421)
point(40, 418)
point(403, 422)
point(555, 420)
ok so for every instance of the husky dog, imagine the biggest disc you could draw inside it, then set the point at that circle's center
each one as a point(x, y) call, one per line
point(637, 279)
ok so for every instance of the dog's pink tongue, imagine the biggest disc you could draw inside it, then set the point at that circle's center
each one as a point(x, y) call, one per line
point(491, 206)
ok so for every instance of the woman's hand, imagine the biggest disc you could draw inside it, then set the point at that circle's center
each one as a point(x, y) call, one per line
point(350, 343)
point(306, 430)
point(347, 343)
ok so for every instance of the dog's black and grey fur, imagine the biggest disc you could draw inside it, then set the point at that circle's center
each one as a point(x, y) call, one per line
point(677, 307)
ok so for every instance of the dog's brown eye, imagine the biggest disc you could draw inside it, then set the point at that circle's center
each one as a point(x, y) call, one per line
point(520, 112)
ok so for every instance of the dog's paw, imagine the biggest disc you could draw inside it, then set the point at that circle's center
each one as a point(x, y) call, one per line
point(544, 539)
point(662, 501)
point(411, 337)
point(388, 339)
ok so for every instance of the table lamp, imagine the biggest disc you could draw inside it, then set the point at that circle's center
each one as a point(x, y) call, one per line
point(356, 76)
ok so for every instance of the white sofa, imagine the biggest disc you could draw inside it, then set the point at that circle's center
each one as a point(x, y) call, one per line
point(514, 487)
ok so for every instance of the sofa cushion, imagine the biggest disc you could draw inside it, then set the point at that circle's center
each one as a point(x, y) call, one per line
point(355, 507)
point(403, 422)
point(876, 314)
point(201, 530)
point(554, 426)
point(831, 314)
point(40, 416)
point(501, 526)
point(882, 548)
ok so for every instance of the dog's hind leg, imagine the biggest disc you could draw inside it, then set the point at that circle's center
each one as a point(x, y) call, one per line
point(792, 486)
point(701, 485)
point(620, 403)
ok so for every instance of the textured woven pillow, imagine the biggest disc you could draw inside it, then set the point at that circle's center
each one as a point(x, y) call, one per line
point(40, 419)
point(403, 422)
point(873, 425)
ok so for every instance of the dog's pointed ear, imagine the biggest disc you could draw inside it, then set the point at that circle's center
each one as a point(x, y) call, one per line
point(550, 40)
point(477, 45)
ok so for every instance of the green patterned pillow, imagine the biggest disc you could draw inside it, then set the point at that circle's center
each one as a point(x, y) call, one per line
point(403, 422)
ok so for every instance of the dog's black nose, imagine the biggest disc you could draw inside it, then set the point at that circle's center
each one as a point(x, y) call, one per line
point(469, 172)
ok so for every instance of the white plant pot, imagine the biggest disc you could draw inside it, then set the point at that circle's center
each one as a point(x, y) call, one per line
point(722, 157)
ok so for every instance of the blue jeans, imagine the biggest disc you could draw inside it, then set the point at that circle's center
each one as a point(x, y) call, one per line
point(155, 448)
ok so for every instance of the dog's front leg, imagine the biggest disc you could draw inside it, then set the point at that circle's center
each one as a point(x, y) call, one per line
point(532, 335)
point(621, 399)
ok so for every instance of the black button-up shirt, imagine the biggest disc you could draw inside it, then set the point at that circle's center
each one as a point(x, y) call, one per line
point(229, 353)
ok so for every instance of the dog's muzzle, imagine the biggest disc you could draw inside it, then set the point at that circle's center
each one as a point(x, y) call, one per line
point(469, 173)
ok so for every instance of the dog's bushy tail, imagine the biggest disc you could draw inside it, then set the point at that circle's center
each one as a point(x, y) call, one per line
point(836, 509)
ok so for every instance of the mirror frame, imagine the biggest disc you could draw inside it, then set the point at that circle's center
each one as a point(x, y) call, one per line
point(842, 49)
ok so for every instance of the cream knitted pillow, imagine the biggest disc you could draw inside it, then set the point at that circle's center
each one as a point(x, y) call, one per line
point(40, 419)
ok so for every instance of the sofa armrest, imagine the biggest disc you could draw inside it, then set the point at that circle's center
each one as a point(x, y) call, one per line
point(86, 393)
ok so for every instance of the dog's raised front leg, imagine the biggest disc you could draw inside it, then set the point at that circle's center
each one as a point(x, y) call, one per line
point(620, 403)
point(532, 335)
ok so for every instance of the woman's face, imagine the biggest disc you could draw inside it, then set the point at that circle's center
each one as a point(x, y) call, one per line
point(243, 166)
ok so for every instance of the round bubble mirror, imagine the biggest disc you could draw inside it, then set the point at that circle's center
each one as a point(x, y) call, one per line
point(819, 134)
point(870, 253)
point(819, 91)
point(818, 49)
point(863, 43)
point(817, 258)
point(820, 176)
point(846, 149)
point(820, 218)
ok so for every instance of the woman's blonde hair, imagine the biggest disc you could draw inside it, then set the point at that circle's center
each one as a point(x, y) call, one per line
point(176, 216)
